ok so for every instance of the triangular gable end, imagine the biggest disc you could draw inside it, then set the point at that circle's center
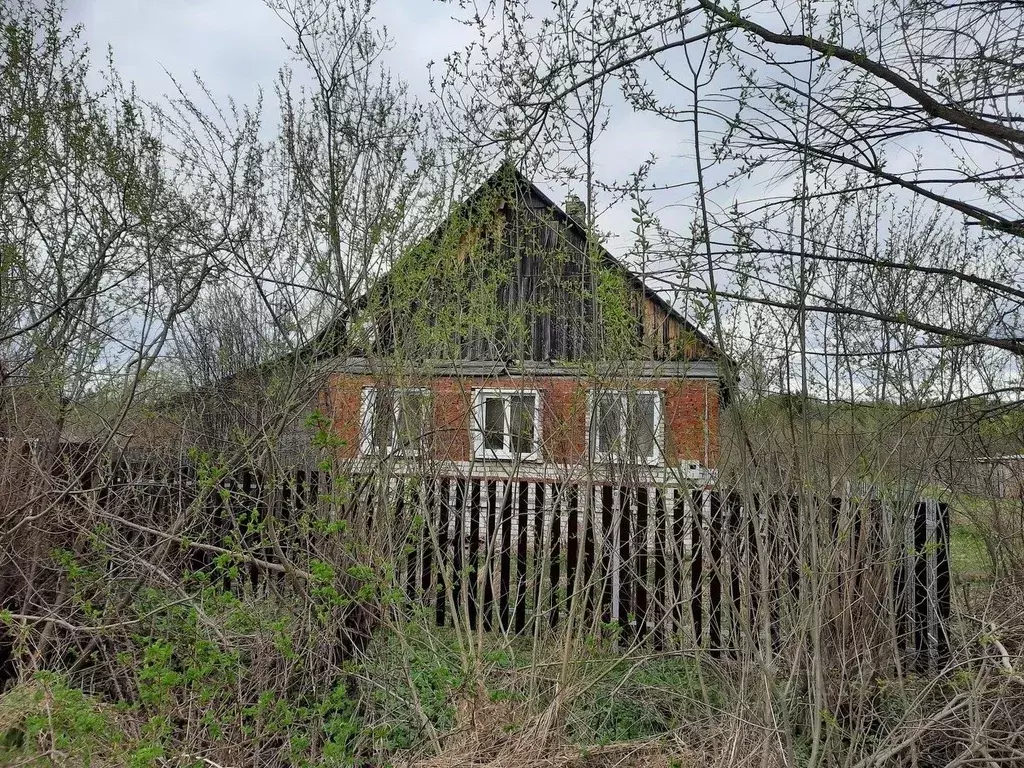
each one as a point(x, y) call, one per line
point(509, 276)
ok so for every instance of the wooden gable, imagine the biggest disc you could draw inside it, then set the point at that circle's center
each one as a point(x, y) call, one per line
point(511, 276)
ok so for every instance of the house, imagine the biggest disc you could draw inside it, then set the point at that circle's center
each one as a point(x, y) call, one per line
point(510, 344)
point(1000, 477)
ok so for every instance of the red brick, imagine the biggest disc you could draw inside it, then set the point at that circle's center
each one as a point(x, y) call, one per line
point(691, 413)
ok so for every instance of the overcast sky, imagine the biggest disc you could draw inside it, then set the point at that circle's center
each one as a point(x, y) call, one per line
point(237, 47)
point(237, 44)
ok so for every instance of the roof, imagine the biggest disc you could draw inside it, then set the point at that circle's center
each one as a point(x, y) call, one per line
point(502, 175)
point(580, 229)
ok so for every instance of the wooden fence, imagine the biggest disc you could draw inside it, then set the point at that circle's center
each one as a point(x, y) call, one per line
point(676, 567)
point(667, 566)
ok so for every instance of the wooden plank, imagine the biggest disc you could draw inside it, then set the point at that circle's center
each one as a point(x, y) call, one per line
point(607, 535)
point(572, 544)
point(249, 517)
point(753, 568)
point(941, 586)
point(713, 508)
point(505, 564)
point(734, 526)
point(521, 544)
point(491, 512)
point(624, 610)
point(920, 601)
point(460, 593)
point(901, 578)
point(682, 543)
point(443, 555)
point(408, 517)
point(428, 492)
point(642, 539)
point(775, 533)
point(555, 547)
point(697, 568)
point(473, 564)
point(592, 504)
point(539, 500)
point(660, 590)
point(794, 547)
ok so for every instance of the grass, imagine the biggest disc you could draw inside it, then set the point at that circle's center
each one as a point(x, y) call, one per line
point(608, 698)
point(968, 555)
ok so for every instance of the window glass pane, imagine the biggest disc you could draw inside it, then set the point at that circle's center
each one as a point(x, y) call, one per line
point(522, 426)
point(382, 419)
point(642, 426)
point(412, 420)
point(609, 423)
point(494, 423)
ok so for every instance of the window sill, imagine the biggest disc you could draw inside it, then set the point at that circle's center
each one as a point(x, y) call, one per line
point(380, 456)
point(598, 459)
point(527, 458)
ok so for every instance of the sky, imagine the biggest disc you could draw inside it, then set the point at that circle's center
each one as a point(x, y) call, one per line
point(237, 47)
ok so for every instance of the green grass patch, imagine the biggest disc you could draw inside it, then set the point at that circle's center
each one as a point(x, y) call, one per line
point(968, 555)
point(611, 698)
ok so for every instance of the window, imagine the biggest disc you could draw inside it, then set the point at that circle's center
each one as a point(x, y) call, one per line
point(395, 420)
point(506, 424)
point(627, 426)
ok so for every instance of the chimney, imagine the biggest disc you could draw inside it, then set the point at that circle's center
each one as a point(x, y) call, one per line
point(576, 209)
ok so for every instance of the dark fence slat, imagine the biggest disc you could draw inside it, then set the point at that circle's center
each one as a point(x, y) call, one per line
point(920, 601)
point(588, 513)
point(473, 565)
point(521, 543)
point(539, 499)
point(459, 592)
point(443, 558)
point(574, 522)
point(942, 584)
point(659, 587)
point(697, 568)
point(625, 602)
point(428, 492)
point(505, 575)
point(679, 564)
point(734, 548)
point(555, 552)
point(607, 542)
point(640, 574)
point(412, 540)
point(489, 554)
point(716, 532)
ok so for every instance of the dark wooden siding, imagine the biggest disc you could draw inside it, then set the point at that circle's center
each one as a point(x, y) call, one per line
point(547, 296)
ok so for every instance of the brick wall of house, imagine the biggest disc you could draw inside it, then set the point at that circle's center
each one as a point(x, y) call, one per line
point(691, 414)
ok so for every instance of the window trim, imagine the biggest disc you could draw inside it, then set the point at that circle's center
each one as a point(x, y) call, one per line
point(476, 424)
point(658, 459)
point(367, 403)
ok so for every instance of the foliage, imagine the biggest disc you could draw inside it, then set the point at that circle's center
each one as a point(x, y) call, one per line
point(640, 701)
point(44, 722)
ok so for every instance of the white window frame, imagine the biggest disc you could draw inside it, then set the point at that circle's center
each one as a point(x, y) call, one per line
point(476, 426)
point(367, 408)
point(593, 442)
